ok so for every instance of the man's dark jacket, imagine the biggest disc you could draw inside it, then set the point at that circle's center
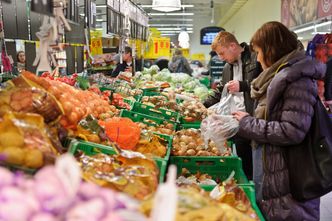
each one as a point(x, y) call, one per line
point(250, 70)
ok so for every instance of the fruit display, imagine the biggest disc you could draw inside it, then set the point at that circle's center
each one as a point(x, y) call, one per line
point(151, 144)
point(166, 128)
point(228, 192)
point(195, 204)
point(160, 102)
point(24, 140)
point(198, 178)
point(70, 80)
point(76, 103)
point(30, 100)
point(54, 196)
point(193, 111)
point(189, 143)
point(128, 172)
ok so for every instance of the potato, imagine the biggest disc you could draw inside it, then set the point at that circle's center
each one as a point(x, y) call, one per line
point(11, 139)
point(14, 155)
point(33, 158)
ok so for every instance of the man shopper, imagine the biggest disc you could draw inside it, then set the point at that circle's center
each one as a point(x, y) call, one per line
point(241, 68)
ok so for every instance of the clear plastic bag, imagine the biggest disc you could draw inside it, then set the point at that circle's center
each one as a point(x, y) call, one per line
point(226, 105)
point(219, 128)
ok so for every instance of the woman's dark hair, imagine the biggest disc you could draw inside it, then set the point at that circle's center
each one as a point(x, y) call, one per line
point(18, 54)
point(275, 41)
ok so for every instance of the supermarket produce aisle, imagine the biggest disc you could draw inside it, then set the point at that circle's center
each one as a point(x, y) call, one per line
point(325, 207)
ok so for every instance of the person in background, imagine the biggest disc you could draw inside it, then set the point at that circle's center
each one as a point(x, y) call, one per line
point(179, 63)
point(241, 68)
point(127, 62)
point(285, 94)
point(20, 66)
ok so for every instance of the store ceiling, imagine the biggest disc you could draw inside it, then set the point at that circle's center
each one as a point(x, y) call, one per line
point(171, 24)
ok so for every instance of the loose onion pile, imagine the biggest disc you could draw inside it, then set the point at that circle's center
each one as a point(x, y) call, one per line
point(189, 143)
point(193, 111)
point(167, 128)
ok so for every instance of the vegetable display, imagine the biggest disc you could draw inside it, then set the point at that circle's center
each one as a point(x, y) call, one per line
point(189, 143)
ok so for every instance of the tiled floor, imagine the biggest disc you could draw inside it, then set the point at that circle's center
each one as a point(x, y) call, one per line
point(326, 207)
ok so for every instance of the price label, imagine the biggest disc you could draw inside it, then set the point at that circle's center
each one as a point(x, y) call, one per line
point(96, 46)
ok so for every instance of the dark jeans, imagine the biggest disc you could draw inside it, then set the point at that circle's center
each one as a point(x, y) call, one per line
point(243, 149)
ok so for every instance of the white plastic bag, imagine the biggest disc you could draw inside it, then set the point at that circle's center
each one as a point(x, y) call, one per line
point(219, 128)
point(166, 198)
point(227, 105)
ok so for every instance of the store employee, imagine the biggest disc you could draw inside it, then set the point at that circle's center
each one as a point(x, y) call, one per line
point(127, 62)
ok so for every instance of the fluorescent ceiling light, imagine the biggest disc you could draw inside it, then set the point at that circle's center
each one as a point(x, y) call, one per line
point(168, 34)
point(312, 27)
point(167, 25)
point(172, 19)
point(172, 14)
point(182, 6)
point(99, 19)
point(299, 38)
point(175, 29)
point(100, 6)
point(166, 6)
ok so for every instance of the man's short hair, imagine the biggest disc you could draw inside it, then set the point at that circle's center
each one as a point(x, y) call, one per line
point(223, 38)
point(128, 50)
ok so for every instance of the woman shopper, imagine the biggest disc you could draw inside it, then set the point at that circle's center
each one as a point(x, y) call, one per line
point(285, 93)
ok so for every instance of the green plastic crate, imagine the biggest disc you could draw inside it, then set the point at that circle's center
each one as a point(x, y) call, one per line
point(148, 90)
point(169, 140)
point(151, 93)
point(149, 120)
point(159, 113)
point(217, 167)
point(249, 189)
point(90, 148)
point(187, 125)
point(162, 165)
point(250, 192)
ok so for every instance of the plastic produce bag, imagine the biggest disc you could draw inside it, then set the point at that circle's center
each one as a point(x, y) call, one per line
point(219, 128)
point(226, 105)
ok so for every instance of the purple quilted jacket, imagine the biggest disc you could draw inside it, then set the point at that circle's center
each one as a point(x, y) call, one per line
point(290, 99)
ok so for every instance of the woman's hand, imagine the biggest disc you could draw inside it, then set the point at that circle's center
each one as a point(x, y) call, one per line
point(239, 115)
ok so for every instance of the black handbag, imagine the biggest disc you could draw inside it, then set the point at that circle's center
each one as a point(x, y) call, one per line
point(310, 163)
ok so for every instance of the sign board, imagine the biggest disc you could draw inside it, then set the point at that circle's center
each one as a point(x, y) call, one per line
point(298, 12)
point(158, 47)
point(96, 46)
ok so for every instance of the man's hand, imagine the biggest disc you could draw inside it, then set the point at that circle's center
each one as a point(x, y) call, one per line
point(233, 86)
point(239, 115)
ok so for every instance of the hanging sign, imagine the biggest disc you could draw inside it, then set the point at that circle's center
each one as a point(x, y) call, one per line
point(158, 47)
point(42, 6)
point(96, 46)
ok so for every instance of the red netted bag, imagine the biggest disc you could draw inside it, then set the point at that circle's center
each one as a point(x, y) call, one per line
point(122, 131)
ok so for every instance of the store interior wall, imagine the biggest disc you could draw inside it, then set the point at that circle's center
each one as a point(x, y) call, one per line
point(251, 16)
point(195, 43)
